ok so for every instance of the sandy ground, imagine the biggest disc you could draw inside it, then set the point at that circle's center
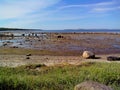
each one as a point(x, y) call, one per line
point(18, 60)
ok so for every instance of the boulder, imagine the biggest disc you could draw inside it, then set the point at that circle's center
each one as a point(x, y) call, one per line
point(90, 85)
point(88, 54)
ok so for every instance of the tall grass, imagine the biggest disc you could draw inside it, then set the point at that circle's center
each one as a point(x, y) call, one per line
point(58, 77)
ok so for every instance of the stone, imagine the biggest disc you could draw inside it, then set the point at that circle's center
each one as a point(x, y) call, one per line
point(113, 58)
point(59, 36)
point(90, 85)
point(5, 44)
point(88, 55)
point(29, 55)
point(15, 47)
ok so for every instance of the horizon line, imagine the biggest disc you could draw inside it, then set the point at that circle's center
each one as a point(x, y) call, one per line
point(63, 29)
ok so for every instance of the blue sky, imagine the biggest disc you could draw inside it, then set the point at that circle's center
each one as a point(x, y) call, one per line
point(60, 14)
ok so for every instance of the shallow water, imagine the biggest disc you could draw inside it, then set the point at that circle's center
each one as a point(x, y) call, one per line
point(11, 42)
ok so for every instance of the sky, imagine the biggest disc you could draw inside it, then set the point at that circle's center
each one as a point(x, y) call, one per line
point(60, 14)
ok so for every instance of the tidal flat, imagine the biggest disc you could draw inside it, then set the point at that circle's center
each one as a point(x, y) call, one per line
point(65, 44)
point(53, 61)
point(55, 48)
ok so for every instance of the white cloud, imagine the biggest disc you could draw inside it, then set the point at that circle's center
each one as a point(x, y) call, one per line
point(14, 9)
point(24, 13)
point(104, 3)
point(105, 9)
point(88, 5)
point(95, 7)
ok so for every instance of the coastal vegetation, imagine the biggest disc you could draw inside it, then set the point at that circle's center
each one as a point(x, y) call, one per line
point(41, 77)
point(15, 29)
point(7, 29)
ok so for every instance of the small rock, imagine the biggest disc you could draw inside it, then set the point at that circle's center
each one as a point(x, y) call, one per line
point(15, 47)
point(90, 85)
point(20, 44)
point(29, 55)
point(5, 44)
point(113, 58)
point(88, 54)
point(59, 36)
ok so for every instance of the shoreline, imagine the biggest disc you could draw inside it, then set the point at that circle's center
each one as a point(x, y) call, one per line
point(61, 44)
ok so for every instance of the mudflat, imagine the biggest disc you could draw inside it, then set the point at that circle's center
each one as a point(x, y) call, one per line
point(57, 48)
point(65, 44)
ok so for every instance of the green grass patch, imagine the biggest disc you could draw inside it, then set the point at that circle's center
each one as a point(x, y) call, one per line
point(41, 77)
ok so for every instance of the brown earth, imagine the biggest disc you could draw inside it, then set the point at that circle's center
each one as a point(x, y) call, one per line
point(17, 60)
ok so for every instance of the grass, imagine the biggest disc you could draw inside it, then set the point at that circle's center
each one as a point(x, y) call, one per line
point(41, 77)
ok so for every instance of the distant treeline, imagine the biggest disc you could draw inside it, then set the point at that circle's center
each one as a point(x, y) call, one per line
point(8, 29)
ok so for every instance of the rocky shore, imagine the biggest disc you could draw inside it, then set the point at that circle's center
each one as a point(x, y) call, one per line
point(63, 43)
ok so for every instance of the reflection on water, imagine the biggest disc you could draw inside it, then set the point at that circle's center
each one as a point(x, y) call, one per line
point(11, 42)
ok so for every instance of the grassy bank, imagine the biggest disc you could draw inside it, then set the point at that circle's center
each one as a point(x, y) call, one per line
point(40, 77)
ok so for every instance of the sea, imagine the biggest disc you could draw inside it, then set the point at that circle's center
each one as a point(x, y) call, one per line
point(85, 30)
point(67, 31)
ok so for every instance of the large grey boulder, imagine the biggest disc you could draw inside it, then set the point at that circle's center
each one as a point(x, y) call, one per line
point(90, 85)
point(88, 54)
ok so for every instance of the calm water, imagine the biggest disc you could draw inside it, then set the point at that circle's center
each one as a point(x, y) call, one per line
point(84, 30)
point(70, 31)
